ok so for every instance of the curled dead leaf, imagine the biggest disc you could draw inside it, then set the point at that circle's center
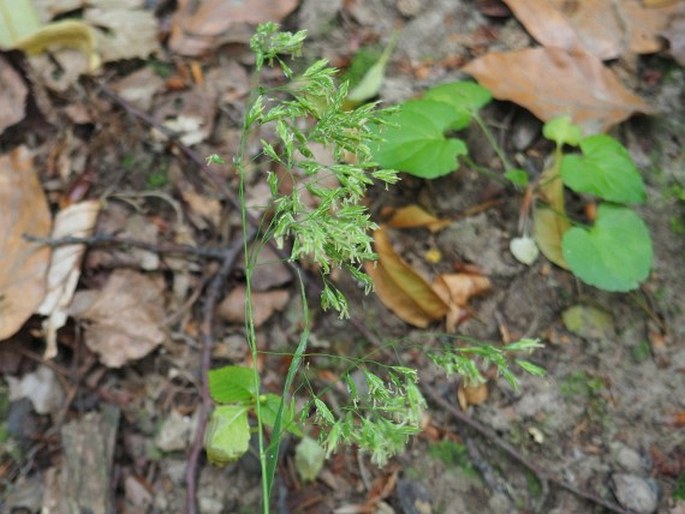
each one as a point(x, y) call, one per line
point(456, 289)
point(401, 289)
point(472, 395)
point(550, 222)
point(413, 216)
point(76, 220)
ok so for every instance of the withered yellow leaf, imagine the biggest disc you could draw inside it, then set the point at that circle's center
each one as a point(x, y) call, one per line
point(401, 288)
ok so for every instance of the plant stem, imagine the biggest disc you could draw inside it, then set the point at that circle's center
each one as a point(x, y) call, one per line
point(240, 163)
point(493, 142)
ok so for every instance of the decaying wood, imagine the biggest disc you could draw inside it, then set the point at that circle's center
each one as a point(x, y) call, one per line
point(83, 482)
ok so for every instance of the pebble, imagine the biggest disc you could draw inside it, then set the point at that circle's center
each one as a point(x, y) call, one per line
point(636, 493)
point(626, 457)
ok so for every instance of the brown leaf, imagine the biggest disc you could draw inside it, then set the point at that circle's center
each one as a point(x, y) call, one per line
point(269, 271)
point(551, 82)
point(125, 317)
point(264, 305)
point(472, 395)
point(13, 97)
point(23, 265)
point(456, 289)
point(123, 32)
point(549, 221)
point(195, 30)
point(604, 28)
point(401, 288)
point(77, 220)
point(413, 216)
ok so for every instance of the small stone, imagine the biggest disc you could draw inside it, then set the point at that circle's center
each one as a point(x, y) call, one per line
point(410, 8)
point(176, 432)
point(636, 493)
point(626, 457)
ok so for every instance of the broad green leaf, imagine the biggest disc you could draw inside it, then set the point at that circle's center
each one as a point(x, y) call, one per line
point(309, 459)
point(232, 384)
point(21, 29)
point(269, 411)
point(401, 288)
point(615, 254)
point(18, 20)
point(605, 170)
point(371, 82)
point(228, 434)
point(465, 97)
point(562, 131)
point(414, 140)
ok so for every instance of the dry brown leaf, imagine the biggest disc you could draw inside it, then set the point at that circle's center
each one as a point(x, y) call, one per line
point(41, 387)
point(413, 216)
point(400, 288)
point(123, 32)
point(203, 208)
point(139, 87)
point(13, 97)
point(125, 317)
point(197, 29)
point(604, 28)
point(23, 265)
point(456, 289)
point(77, 220)
point(472, 395)
point(264, 305)
point(269, 271)
point(549, 221)
point(551, 82)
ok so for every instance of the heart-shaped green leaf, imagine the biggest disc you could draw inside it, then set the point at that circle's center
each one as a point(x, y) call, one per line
point(414, 140)
point(615, 254)
point(228, 434)
point(605, 170)
point(465, 97)
point(232, 384)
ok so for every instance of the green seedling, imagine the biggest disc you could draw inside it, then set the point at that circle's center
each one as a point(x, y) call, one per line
point(614, 254)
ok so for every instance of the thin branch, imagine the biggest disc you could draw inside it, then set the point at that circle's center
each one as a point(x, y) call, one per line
point(207, 339)
point(108, 240)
